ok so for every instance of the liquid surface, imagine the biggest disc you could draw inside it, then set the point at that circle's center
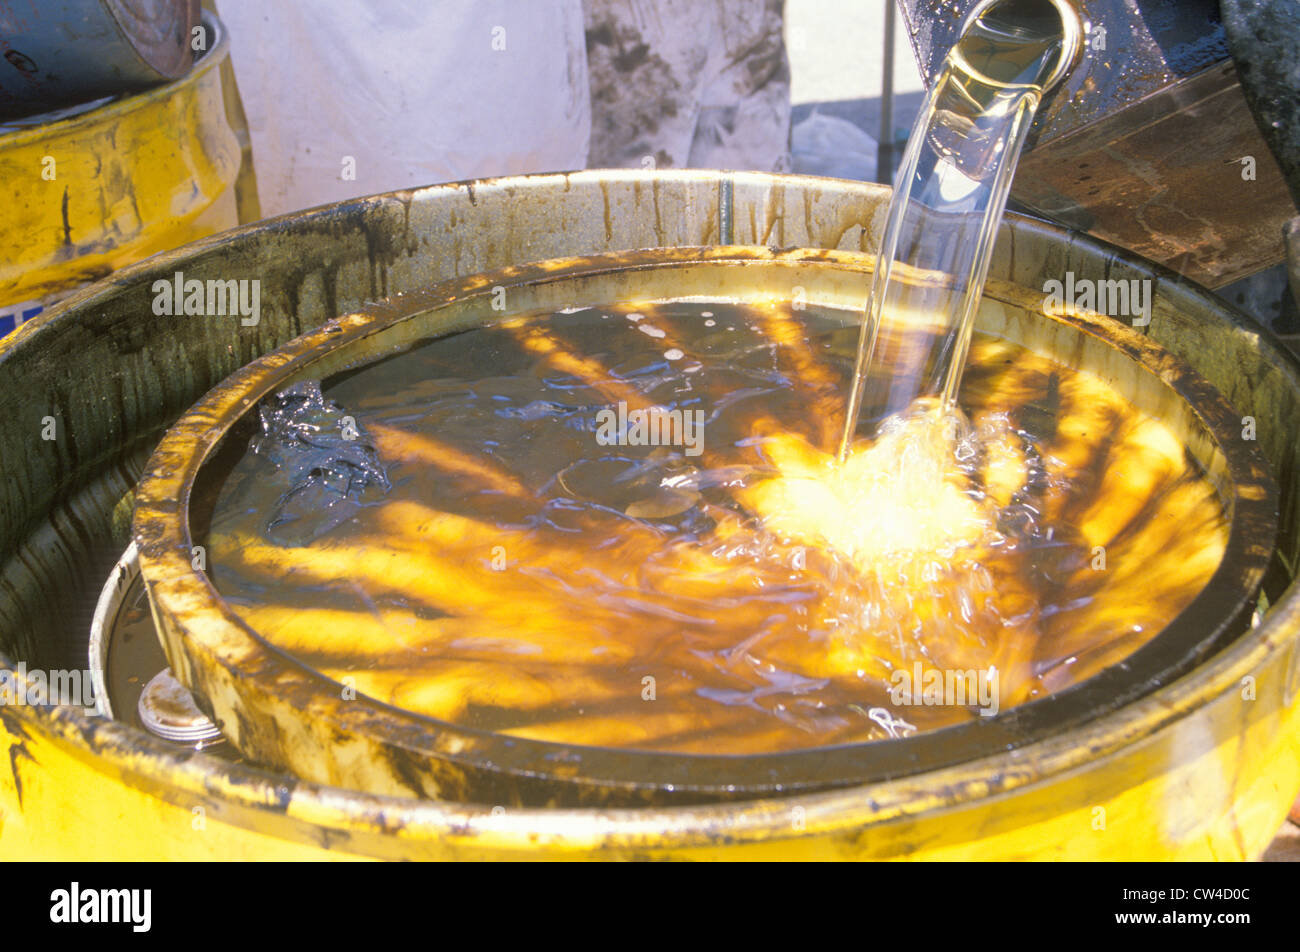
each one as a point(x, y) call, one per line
point(524, 559)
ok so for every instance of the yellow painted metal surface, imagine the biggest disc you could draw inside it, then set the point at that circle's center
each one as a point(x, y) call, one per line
point(368, 742)
point(1204, 768)
point(84, 196)
point(1155, 783)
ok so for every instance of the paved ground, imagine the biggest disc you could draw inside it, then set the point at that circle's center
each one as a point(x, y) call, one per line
point(1286, 848)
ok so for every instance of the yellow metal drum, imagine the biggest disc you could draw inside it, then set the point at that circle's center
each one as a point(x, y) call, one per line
point(83, 196)
point(1203, 768)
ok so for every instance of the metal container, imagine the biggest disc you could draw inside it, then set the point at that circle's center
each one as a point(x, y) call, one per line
point(61, 52)
point(1203, 767)
point(282, 711)
point(96, 189)
point(129, 670)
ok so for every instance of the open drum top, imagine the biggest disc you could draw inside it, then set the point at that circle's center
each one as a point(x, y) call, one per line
point(284, 713)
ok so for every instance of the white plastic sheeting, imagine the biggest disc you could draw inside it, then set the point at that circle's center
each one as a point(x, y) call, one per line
point(698, 83)
point(360, 96)
point(829, 145)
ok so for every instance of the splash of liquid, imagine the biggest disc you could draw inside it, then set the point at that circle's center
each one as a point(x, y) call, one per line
point(907, 497)
point(904, 495)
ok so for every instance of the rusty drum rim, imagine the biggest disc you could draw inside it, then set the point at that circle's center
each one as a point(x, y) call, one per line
point(183, 595)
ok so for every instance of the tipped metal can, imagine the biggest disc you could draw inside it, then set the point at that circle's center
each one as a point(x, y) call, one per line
point(62, 52)
point(167, 709)
point(128, 670)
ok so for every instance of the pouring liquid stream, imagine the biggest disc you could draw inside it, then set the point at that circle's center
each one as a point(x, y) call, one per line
point(950, 193)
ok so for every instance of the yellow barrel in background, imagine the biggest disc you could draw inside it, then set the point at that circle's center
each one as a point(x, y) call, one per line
point(84, 195)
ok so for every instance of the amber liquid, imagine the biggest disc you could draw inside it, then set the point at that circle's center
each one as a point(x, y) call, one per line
point(525, 575)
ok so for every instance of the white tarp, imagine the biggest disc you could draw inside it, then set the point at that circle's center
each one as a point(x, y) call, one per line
point(411, 91)
point(698, 83)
